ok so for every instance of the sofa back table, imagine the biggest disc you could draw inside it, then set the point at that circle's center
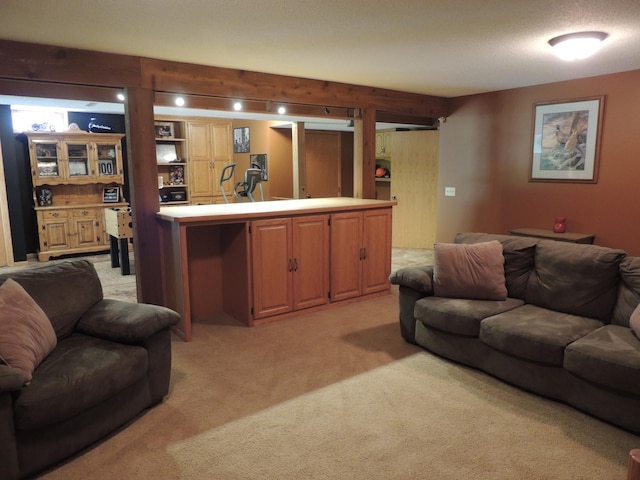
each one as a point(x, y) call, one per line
point(571, 237)
point(264, 261)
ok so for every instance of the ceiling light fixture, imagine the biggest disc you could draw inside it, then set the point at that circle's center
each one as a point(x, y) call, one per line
point(237, 106)
point(576, 46)
point(282, 110)
point(120, 96)
point(179, 101)
point(326, 110)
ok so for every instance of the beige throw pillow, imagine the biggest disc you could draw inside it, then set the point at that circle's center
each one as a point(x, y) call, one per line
point(473, 271)
point(26, 334)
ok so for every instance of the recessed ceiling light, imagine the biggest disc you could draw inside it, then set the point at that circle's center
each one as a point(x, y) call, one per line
point(576, 46)
point(237, 106)
point(120, 96)
point(179, 101)
point(282, 110)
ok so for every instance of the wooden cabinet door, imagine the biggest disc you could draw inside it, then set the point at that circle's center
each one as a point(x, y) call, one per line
point(376, 244)
point(87, 227)
point(201, 181)
point(310, 261)
point(271, 256)
point(346, 255)
point(54, 231)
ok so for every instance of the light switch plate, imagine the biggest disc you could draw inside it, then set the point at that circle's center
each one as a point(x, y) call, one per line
point(450, 191)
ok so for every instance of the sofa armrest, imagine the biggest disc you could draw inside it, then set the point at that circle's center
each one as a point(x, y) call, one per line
point(418, 278)
point(11, 379)
point(126, 322)
point(415, 283)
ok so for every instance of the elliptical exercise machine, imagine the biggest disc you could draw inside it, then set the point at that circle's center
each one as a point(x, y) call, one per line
point(243, 191)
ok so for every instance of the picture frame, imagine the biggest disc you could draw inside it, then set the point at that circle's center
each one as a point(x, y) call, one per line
point(164, 130)
point(111, 194)
point(241, 140)
point(259, 160)
point(166, 153)
point(176, 175)
point(566, 141)
point(44, 197)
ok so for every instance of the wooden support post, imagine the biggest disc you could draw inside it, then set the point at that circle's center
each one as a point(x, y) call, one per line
point(364, 153)
point(299, 161)
point(143, 177)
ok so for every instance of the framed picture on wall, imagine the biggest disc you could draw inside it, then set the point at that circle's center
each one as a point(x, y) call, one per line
point(241, 142)
point(566, 141)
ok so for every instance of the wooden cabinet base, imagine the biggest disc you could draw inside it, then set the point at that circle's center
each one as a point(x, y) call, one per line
point(250, 261)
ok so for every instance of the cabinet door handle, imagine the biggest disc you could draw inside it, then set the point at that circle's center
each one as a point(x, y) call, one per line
point(364, 253)
point(295, 264)
point(289, 265)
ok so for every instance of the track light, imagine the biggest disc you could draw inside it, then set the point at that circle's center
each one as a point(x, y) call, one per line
point(576, 46)
point(326, 110)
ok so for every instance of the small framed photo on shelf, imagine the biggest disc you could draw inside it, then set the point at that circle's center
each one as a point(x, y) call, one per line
point(164, 130)
point(166, 153)
point(44, 197)
point(176, 174)
point(111, 195)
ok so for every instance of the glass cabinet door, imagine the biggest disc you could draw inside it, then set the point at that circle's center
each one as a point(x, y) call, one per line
point(78, 156)
point(108, 159)
point(47, 159)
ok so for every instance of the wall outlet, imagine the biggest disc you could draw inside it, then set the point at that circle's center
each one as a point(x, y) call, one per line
point(449, 191)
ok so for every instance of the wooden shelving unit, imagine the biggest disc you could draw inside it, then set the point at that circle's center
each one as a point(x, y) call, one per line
point(171, 156)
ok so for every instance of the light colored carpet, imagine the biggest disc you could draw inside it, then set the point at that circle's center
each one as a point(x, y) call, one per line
point(337, 394)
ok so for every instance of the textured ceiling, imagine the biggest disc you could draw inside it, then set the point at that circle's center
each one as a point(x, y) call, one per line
point(445, 48)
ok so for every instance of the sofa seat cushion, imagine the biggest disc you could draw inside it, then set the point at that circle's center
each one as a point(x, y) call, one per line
point(79, 374)
point(534, 333)
point(460, 316)
point(608, 356)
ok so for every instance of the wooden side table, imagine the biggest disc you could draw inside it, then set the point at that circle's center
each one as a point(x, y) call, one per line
point(571, 237)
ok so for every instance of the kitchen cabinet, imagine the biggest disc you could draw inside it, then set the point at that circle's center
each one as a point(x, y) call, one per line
point(384, 143)
point(360, 253)
point(290, 259)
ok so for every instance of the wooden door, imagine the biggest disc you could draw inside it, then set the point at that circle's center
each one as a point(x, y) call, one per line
point(376, 244)
point(222, 151)
point(323, 152)
point(200, 166)
point(55, 232)
point(346, 255)
point(271, 258)
point(87, 228)
point(414, 185)
point(310, 261)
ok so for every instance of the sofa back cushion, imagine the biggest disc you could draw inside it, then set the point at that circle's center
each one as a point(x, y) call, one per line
point(576, 279)
point(469, 271)
point(519, 253)
point(628, 292)
point(64, 291)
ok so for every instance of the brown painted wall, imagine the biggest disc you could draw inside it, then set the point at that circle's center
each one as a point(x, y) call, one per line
point(485, 152)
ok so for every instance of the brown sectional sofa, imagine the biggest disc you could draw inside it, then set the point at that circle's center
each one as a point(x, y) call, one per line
point(111, 362)
point(563, 332)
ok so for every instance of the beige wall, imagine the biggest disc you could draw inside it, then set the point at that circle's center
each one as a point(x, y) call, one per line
point(485, 152)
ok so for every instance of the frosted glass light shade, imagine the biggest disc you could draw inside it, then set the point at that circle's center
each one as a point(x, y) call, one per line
point(576, 46)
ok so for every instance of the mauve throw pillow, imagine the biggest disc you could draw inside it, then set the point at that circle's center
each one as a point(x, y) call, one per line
point(634, 321)
point(26, 334)
point(473, 271)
